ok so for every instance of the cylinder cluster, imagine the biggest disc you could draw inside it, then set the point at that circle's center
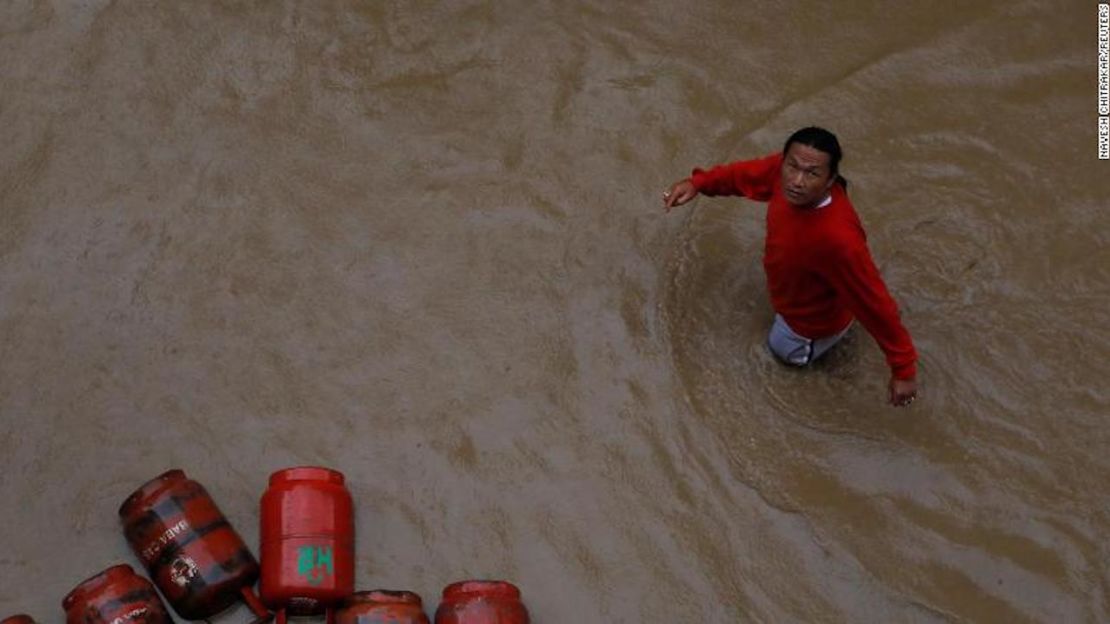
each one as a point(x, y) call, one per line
point(201, 565)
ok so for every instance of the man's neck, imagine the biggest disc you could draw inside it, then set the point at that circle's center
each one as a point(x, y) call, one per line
point(821, 204)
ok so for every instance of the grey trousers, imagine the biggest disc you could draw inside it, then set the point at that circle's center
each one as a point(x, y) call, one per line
point(797, 350)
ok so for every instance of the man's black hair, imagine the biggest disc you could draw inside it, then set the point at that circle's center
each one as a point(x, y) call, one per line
point(823, 140)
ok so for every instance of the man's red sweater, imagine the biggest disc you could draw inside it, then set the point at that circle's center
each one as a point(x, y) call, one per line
point(819, 270)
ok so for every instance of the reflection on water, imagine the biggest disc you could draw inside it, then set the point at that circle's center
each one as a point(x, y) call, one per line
point(422, 243)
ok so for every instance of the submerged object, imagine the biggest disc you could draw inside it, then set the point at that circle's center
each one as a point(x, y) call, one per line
point(115, 596)
point(19, 618)
point(382, 606)
point(307, 535)
point(190, 550)
point(481, 602)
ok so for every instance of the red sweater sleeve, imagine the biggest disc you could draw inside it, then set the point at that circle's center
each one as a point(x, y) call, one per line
point(754, 179)
point(857, 281)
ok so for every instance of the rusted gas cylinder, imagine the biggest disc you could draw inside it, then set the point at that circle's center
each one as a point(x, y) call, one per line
point(115, 596)
point(190, 550)
point(307, 537)
point(382, 606)
point(21, 618)
point(481, 602)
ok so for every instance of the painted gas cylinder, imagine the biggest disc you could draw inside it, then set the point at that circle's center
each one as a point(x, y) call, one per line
point(115, 596)
point(307, 535)
point(188, 547)
point(481, 602)
point(382, 606)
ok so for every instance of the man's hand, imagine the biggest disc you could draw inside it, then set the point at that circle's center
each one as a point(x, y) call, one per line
point(680, 193)
point(902, 392)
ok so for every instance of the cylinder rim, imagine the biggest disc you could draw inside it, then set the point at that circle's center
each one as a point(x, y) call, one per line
point(307, 473)
point(149, 489)
point(95, 582)
point(502, 589)
point(384, 596)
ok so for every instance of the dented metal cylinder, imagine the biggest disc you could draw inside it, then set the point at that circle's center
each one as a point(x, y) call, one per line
point(195, 557)
point(307, 542)
point(481, 602)
point(382, 606)
point(115, 596)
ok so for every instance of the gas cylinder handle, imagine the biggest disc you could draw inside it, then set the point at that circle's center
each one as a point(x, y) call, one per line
point(262, 614)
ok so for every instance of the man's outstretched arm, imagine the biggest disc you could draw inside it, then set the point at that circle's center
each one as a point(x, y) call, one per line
point(754, 179)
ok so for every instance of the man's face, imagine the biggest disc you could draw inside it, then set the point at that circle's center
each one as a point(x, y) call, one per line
point(806, 176)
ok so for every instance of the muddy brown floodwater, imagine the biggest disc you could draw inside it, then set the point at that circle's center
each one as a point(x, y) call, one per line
point(422, 243)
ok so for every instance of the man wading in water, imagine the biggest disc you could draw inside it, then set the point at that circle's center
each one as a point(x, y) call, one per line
point(819, 271)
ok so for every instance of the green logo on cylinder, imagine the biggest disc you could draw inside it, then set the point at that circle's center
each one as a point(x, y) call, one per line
point(314, 563)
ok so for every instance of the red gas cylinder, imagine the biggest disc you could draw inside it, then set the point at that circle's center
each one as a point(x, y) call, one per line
point(21, 618)
point(382, 607)
point(307, 537)
point(190, 550)
point(481, 602)
point(115, 596)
